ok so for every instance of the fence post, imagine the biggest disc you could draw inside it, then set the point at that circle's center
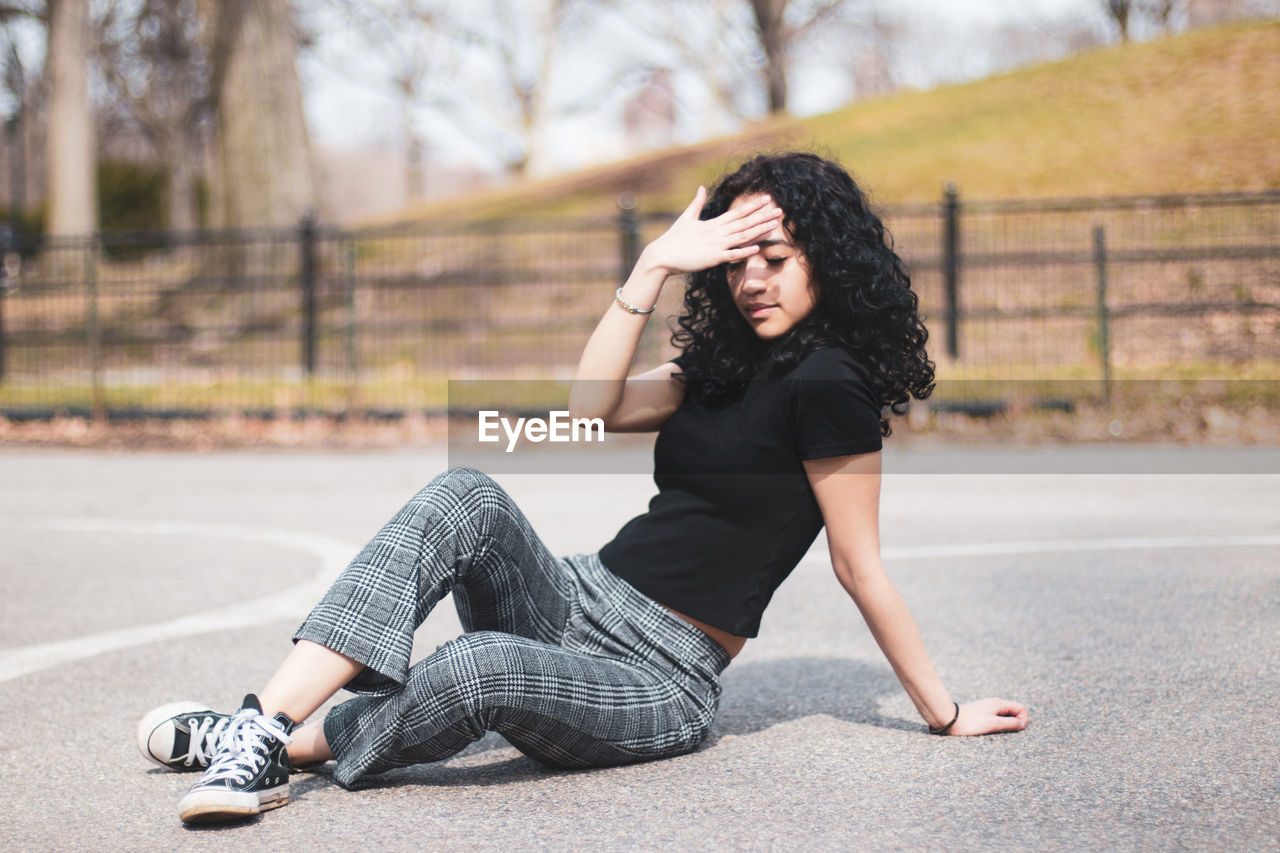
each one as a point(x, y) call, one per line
point(629, 235)
point(349, 286)
point(951, 266)
point(6, 246)
point(307, 247)
point(97, 397)
point(17, 166)
point(1104, 331)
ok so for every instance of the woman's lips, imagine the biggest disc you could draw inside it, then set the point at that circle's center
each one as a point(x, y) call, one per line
point(758, 310)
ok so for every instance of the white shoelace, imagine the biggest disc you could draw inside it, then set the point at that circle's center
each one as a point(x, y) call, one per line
point(244, 747)
point(206, 734)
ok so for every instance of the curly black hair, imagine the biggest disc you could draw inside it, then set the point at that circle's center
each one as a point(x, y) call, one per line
point(865, 303)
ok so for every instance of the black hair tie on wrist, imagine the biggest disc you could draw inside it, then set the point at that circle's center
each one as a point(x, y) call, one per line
point(947, 727)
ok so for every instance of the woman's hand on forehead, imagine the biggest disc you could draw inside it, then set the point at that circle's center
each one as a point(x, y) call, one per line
point(693, 244)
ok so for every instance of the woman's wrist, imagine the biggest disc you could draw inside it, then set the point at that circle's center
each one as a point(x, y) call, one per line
point(643, 286)
point(938, 710)
point(944, 728)
point(653, 262)
point(628, 307)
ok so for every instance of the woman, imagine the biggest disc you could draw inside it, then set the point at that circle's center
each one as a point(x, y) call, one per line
point(799, 329)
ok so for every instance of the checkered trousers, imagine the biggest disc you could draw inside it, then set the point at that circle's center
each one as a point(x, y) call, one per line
point(571, 664)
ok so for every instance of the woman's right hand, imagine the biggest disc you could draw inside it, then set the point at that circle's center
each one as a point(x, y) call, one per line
point(693, 244)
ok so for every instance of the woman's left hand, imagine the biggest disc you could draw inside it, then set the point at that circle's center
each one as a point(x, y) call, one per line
point(988, 716)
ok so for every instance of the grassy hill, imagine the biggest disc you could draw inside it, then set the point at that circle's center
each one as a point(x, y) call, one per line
point(1194, 113)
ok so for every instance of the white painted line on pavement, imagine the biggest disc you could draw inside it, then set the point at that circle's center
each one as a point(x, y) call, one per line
point(291, 603)
point(983, 549)
point(1056, 546)
point(334, 554)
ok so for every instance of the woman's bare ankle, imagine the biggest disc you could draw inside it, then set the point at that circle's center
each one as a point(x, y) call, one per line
point(309, 745)
point(309, 675)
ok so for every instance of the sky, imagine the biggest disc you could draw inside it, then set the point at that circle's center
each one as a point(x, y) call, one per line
point(347, 110)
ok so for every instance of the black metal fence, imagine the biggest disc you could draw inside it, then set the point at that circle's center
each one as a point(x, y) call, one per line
point(378, 320)
point(1140, 286)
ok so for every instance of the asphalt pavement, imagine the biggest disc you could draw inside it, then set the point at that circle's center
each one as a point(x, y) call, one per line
point(1137, 614)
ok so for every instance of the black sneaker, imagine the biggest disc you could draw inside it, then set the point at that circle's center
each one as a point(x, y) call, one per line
point(249, 772)
point(181, 736)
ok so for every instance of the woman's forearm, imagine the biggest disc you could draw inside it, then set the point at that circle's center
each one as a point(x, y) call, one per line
point(611, 349)
point(612, 346)
point(895, 631)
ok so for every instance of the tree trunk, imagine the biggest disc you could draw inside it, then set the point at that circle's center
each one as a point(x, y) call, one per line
point(263, 170)
point(414, 146)
point(178, 159)
point(1119, 10)
point(773, 39)
point(73, 205)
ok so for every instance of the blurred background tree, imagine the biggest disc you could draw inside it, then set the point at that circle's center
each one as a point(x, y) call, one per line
point(198, 91)
point(1119, 12)
point(411, 57)
point(485, 68)
point(13, 81)
point(73, 206)
point(779, 26)
point(742, 51)
point(155, 76)
point(263, 174)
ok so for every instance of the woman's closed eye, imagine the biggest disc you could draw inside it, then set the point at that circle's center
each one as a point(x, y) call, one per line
point(773, 261)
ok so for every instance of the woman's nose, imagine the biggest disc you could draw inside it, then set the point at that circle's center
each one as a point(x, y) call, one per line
point(753, 275)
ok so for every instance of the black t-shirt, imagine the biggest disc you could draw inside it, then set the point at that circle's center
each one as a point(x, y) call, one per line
point(734, 512)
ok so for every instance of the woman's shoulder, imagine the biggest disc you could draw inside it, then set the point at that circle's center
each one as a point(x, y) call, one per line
point(829, 362)
point(834, 409)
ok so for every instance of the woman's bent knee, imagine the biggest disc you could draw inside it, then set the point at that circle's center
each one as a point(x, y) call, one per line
point(471, 672)
point(472, 491)
point(462, 480)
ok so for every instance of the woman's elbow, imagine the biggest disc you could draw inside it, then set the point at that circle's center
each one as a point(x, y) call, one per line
point(584, 403)
point(857, 575)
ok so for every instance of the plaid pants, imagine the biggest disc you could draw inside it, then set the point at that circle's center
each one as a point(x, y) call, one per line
point(571, 664)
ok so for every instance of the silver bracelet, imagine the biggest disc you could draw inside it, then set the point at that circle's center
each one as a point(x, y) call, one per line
point(628, 307)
